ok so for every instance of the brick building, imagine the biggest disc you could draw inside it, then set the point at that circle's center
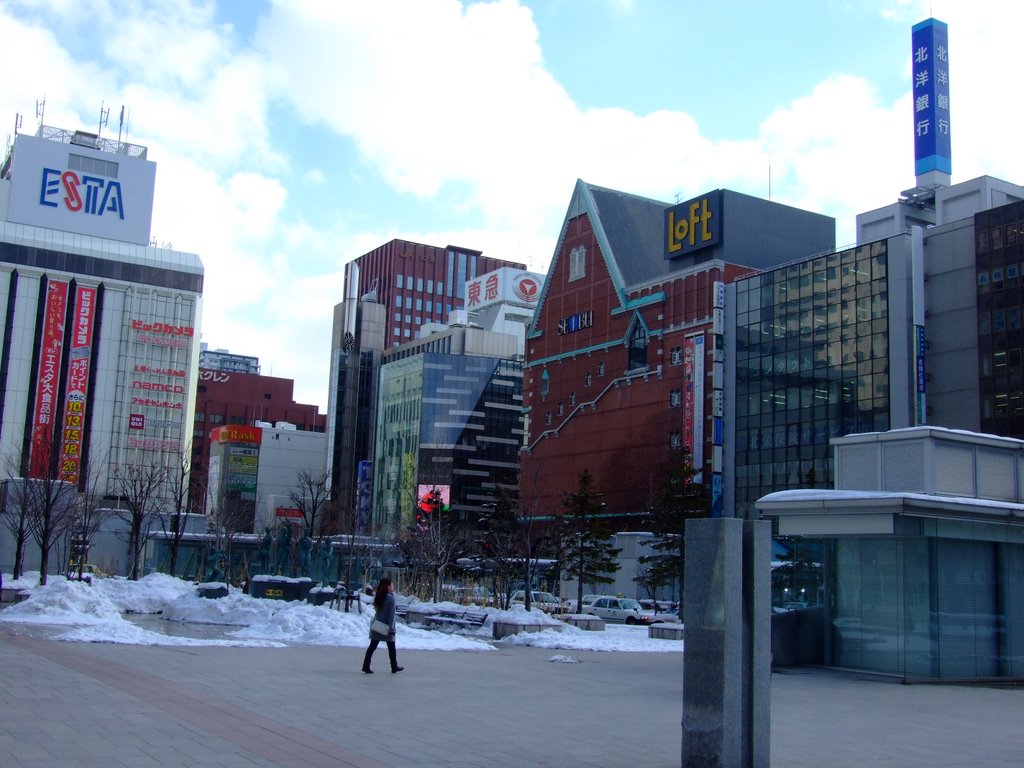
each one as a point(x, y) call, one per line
point(623, 360)
point(230, 398)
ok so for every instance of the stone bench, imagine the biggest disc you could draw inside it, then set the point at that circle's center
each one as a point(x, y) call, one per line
point(673, 631)
point(585, 621)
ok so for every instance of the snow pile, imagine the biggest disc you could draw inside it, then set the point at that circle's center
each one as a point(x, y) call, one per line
point(64, 602)
point(97, 614)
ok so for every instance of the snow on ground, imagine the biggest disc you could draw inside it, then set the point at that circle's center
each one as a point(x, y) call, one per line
point(98, 613)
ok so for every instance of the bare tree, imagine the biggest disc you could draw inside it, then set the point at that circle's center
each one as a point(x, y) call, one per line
point(14, 512)
point(138, 488)
point(226, 519)
point(534, 538)
point(91, 512)
point(181, 490)
point(48, 500)
point(310, 496)
point(435, 542)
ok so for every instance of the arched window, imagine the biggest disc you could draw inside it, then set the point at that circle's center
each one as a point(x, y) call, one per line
point(545, 383)
point(587, 379)
point(600, 368)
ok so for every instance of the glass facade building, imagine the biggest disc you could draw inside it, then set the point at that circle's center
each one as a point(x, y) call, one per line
point(812, 362)
point(999, 235)
point(445, 421)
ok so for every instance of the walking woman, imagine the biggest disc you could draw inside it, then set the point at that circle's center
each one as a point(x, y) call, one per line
point(384, 603)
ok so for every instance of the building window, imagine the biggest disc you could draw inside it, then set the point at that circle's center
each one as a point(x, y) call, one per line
point(638, 347)
point(430, 286)
point(545, 383)
point(561, 408)
point(547, 418)
point(677, 356)
point(675, 398)
point(675, 440)
point(216, 418)
point(398, 281)
point(600, 369)
point(408, 282)
point(200, 416)
point(419, 285)
point(587, 379)
point(577, 263)
point(408, 318)
point(572, 398)
point(398, 300)
point(397, 332)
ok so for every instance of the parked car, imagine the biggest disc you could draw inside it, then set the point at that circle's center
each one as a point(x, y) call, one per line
point(622, 610)
point(545, 601)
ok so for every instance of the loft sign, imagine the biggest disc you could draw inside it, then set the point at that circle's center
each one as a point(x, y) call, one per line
point(94, 195)
point(693, 225)
point(576, 322)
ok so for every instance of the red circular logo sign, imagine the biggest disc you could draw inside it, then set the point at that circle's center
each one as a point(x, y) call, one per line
point(526, 289)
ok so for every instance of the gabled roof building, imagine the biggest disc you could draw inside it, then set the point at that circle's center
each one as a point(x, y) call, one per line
point(624, 364)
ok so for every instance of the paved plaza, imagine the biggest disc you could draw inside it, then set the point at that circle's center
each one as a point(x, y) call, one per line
point(108, 706)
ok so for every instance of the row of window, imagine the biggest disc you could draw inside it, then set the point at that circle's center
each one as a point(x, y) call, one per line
point(430, 306)
point(999, 278)
point(588, 380)
point(408, 281)
point(994, 238)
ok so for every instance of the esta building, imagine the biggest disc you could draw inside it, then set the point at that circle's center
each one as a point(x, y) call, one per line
point(98, 358)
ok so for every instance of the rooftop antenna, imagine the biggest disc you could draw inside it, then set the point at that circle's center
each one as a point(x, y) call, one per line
point(120, 126)
point(41, 109)
point(104, 116)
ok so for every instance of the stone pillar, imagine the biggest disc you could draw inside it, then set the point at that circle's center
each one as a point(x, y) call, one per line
point(727, 653)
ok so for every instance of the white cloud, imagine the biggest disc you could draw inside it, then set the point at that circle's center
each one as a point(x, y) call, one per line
point(442, 102)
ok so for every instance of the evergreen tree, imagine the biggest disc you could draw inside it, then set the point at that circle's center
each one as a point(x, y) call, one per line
point(679, 499)
point(587, 554)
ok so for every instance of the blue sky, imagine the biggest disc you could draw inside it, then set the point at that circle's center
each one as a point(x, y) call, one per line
point(291, 137)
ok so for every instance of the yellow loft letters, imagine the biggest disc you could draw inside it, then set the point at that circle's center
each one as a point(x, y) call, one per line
point(684, 232)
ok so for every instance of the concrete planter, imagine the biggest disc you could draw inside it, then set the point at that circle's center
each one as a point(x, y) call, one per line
point(666, 631)
point(590, 623)
point(506, 628)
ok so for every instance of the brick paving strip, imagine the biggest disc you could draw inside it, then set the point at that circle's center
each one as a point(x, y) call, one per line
point(270, 741)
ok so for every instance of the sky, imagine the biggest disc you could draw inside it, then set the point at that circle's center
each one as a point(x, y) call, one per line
point(162, 610)
point(292, 136)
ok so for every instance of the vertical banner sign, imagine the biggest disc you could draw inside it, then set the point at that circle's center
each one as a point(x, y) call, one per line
point(930, 67)
point(688, 397)
point(50, 349)
point(78, 384)
point(698, 408)
point(364, 489)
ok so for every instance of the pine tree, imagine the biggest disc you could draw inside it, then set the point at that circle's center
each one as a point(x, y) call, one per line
point(587, 553)
point(679, 499)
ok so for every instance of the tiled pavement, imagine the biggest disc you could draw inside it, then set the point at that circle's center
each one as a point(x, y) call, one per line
point(113, 706)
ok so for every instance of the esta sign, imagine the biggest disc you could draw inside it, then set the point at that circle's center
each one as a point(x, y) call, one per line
point(693, 225)
point(93, 195)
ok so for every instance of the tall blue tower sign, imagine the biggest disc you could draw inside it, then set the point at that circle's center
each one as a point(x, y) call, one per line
point(930, 65)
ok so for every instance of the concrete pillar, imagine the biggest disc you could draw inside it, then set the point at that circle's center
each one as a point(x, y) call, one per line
point(727, 652)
